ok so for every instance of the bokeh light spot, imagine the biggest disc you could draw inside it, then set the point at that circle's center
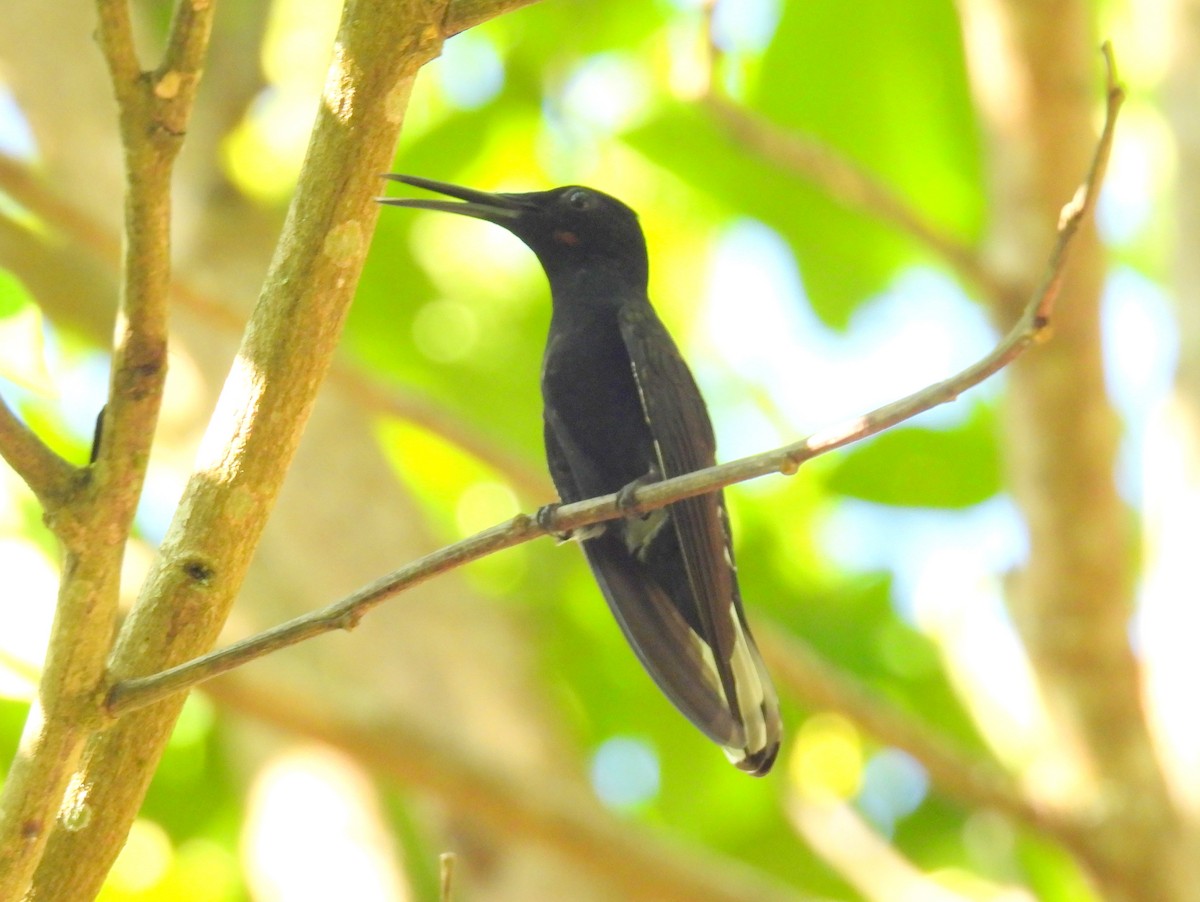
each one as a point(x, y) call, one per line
point(446, 331)
point(827, 758)
point(625, 772)
point(893, 785)
point(144, 859)
point(470, 70)
point(607, 91)
point(484, 504)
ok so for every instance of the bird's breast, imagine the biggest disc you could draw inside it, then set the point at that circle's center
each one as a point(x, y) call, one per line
point(588, 385)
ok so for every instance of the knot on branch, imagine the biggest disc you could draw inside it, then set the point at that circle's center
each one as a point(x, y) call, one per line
point(199, 572)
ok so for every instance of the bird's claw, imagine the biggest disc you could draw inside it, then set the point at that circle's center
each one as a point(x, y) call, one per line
point(627, 495)
point(545, 519)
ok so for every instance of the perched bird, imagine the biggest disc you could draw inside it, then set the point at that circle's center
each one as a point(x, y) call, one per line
point(622, 409)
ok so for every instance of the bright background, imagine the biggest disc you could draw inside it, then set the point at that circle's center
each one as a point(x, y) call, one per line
point(889, 558)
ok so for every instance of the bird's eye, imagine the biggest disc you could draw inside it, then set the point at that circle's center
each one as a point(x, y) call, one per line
point(579, 199)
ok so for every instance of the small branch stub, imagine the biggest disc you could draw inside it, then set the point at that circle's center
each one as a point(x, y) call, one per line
point(446, 864)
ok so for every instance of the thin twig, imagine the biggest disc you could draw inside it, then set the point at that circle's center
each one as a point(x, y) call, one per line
point(186, 46)
point(1075, 211)
point(48, 476)
point(131, 694)
point(134, 693)
point(446, 862)
point(115, 35)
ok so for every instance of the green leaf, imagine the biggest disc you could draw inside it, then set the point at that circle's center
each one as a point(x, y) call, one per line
point(893, 97)
point(921, 467)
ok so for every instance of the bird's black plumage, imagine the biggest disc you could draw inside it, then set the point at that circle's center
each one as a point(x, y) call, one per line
point(621, 407)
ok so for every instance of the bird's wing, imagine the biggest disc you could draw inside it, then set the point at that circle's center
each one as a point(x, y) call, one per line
point(699, 544)
point(670, 650)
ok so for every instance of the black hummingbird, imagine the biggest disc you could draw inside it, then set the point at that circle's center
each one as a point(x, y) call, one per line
point(622, 409)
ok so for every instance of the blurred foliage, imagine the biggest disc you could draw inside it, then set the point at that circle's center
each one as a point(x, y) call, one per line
point(21, 352)
point(456, 311)
point(895, 100)
point(917, 467)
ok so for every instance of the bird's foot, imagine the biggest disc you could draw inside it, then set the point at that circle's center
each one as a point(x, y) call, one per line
point(545, 519)
point(627, 496)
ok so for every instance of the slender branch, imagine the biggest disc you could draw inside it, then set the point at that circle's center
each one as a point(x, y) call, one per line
point(268, 396)
point(186, 46)
point(154, 109)
point(133, 693)
point(116, 41)
point(93, 527)
point(49, 476)
point(1073, 213)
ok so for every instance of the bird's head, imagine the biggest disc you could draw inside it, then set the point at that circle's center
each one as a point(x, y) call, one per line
point(571, 229)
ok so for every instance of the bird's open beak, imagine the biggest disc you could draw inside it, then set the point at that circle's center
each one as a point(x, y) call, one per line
point(498, 208)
